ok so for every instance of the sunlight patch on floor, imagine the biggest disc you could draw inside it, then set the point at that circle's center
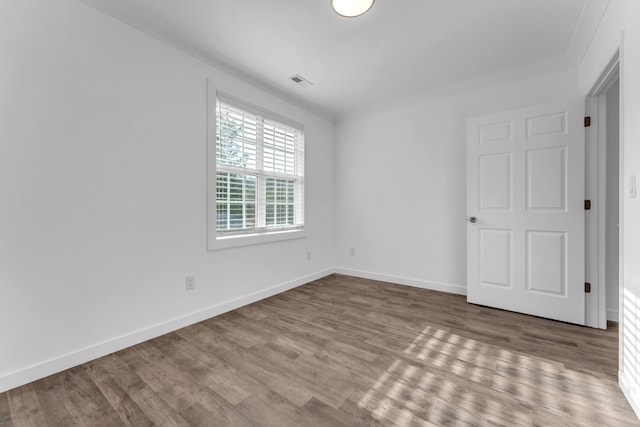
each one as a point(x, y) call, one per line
point(420, 382)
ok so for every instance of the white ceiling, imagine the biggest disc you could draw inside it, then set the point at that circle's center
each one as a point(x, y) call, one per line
point(396, 50)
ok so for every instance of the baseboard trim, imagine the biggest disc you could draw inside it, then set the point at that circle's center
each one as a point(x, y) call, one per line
point(627, 390)
point(400, 280)
point(613, 315)
point(52, 366)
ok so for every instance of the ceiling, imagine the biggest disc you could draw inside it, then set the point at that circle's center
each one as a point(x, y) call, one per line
point(398, 49)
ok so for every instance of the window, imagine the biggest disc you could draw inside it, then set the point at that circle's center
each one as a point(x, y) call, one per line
point(259, 172)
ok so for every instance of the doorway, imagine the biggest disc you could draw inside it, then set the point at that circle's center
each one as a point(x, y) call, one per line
point(603, 159)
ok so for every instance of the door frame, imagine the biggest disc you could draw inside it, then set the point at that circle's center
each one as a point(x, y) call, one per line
point(595, 190)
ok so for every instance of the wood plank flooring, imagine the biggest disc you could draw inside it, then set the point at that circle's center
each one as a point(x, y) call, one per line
point(343, 351)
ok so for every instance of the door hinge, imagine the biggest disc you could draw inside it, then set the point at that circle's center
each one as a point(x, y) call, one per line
point(587, 205)
point(587, 288)
point(587, 121)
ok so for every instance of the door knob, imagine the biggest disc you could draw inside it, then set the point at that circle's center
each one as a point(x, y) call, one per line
point(473, 220)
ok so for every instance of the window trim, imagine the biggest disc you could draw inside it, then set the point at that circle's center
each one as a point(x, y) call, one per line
point(214, 240)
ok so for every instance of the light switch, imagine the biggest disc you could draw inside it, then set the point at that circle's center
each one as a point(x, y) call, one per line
point(632, 187)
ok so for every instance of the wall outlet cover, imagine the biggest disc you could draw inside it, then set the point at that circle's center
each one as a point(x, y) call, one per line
point(190, 282)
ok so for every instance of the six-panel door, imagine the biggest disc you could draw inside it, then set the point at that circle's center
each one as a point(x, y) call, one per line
point(525, 187)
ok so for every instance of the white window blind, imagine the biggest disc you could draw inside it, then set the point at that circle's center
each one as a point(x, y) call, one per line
point(259, 171)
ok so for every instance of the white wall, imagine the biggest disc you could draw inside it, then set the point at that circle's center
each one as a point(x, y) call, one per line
point(624, 16)
point(612, 183)
point(103, 191)
point(400, 183)
point(103, 198)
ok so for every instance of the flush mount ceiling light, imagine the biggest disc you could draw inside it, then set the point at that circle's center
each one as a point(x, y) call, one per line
point(351, 8)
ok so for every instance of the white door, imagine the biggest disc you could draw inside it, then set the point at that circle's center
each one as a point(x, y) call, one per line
point(525, 211)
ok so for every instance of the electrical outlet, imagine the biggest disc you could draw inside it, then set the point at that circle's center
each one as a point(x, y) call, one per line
point(352, 251)
point(308, 255)
point(190, 283)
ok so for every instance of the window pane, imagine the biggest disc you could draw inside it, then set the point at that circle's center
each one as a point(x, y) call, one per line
point(270, 215)
point(222, 215)
point(280, 202)
point(250, 216)
point(235, 201)
point(270, 190)
point(236, 138)
point(290, 192)
point(279, 148)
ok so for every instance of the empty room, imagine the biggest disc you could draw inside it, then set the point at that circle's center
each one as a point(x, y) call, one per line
point(319, 213)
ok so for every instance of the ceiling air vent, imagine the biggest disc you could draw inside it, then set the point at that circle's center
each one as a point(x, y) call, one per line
point(301, 81)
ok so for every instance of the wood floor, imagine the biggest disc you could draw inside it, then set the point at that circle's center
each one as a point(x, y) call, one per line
point(343, 351)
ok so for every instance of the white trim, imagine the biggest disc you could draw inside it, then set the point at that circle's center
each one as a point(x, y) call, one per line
point(257, 239)
point(628, 391)
point(593, 318)
point(596, 171)
point(602, 142)
point(608, 77)
point(211, 164)
point(400, 280)
point(595, 174)
point(613, 315)
point(40, 370)
point(621, 213)
point(592, 15)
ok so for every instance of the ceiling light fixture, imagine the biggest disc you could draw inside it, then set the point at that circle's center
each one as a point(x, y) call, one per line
point(351, 8)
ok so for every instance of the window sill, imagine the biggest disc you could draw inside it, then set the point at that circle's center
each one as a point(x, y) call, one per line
point(216, 243)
